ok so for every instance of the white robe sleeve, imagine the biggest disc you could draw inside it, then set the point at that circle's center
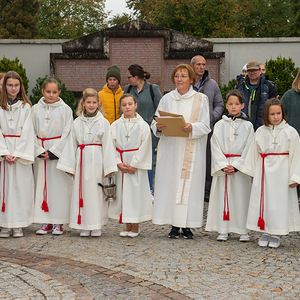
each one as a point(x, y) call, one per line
point(142, 158)
point(294, 158)
point(251, 158)
point(58, 147)
point(239, 162)
point(218, 159)
point(109, 161)
point(67, 159)
point(24, 148)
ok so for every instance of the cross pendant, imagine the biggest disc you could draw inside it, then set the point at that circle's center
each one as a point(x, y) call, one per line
point(127, 137)
point(274, 143)
point(235, 134)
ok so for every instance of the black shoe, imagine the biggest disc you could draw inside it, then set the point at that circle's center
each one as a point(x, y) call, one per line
point(187, 233)
point(174, 233)
point(206, 197)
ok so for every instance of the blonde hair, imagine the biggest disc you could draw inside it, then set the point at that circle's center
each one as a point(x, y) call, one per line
point(189, 70)
point(2, 75)
point(21, 94)
point(296, 83)
point(88, 93)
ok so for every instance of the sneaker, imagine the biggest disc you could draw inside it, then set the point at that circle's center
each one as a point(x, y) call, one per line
point(85, 233)
point(245, 237)
point(18, 232)
point(5, 232)
point(57, 229)
point(45, 229)
point(187, 233)
point(96, 233)
point(264, 240)
point(133, 234)
point(274, 241)
point(222, 237)
point(127, 230)
point(174, 233)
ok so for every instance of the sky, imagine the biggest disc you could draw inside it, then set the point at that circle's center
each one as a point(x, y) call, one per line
point(116, 6)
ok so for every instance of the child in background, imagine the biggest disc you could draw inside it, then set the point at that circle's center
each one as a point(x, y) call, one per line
point(95, 159)
point(52, 120)
point(132, 139)
point(229, 199)
point(273, 162)
point(16, 155)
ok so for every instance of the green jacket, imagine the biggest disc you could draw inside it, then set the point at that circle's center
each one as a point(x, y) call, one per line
point(291, 106)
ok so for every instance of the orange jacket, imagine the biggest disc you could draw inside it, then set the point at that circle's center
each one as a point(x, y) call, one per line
point(111, 102)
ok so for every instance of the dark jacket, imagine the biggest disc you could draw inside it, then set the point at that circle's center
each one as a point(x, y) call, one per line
point(254, 102)
point(210, 88)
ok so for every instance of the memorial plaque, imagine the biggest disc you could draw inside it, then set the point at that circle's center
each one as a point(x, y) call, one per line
point(147, 52)
point(79, 74)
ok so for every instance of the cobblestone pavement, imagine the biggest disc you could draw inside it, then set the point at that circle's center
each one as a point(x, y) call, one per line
point(150, 266)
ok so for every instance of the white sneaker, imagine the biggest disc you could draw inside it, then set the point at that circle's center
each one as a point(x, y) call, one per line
point(244, 237)
point(124, 233)
point(96, 233)
point(222, 237)
point(45, 229)
point(18, 232)
point(274, 241)
point(264, 240)
point(57, 229)
point(85, 233)
point(133, 234)
point(5, 232)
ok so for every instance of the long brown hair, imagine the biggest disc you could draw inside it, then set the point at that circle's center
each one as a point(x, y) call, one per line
point(265, 114)
point(21, 94)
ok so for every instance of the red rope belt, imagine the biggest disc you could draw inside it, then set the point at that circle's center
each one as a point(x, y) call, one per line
point(226, 203)
point(44, 206)
point(82, 146)
point(3, 199)
point(121, 156)
point(261, 221)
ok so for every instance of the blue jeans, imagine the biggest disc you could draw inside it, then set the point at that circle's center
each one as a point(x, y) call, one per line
point(151, 172)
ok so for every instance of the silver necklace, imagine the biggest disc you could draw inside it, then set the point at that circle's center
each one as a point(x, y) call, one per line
point(128, 130)
point(235, 130)
point(87, 122)
point(48, 113)
point(11, 115)
point(274, 138)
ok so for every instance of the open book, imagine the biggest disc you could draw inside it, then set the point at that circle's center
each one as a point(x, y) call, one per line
point(173, 122)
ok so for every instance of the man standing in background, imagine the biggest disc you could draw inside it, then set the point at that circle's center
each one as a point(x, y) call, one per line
point(210, 88)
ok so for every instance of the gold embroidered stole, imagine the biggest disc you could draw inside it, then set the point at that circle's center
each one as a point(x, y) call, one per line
point(188, 154)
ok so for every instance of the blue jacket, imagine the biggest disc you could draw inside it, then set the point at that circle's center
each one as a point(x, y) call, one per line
point(254, 102)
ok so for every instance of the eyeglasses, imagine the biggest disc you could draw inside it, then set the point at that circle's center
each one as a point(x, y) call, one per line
point(129, 77)
point(11, 86)
point(252, 71)
point(181, 76)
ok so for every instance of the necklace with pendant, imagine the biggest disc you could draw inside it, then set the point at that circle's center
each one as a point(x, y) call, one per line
point(128, 131)
point(90, 127)
point(274, 138)
point(235, 130)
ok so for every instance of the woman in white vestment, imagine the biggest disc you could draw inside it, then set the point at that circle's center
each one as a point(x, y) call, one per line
point(273, 162)
point(181, 161)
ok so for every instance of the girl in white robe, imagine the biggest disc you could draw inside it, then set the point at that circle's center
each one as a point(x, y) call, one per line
point(52, 120)
point(230, 193)
point(273, 162)
point(16, 156)
point(95, 160)
point(132, 140)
